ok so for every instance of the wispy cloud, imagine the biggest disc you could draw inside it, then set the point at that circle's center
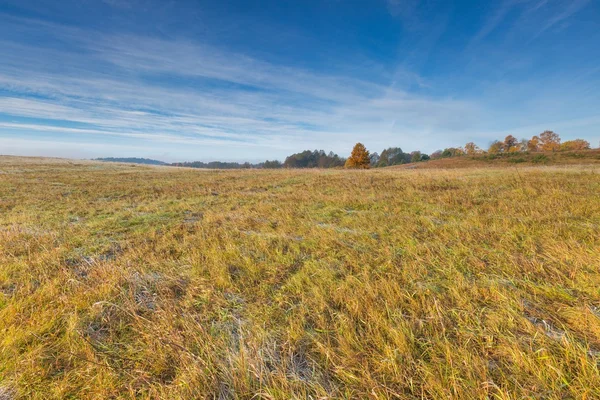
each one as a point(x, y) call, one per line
point(206, 102)
point(495, 19)
point(531, 17)
point(179, 91)
point(567, 9)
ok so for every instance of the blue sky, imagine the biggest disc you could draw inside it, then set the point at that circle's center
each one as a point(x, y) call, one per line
point(254, 80)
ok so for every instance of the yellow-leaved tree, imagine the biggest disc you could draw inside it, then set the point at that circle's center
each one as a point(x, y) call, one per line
point(511, 144)
point(472, 149)
point(533, 145)
point(359, 157)
point(577, 144)
point(550, 141)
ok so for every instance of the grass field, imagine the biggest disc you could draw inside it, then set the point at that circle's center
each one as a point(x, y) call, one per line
point(121, 281)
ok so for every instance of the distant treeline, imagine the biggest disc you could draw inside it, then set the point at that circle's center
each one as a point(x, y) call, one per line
point(215, 165)
point(305, 159)
point(362, 158)
point(228, 165)
point(313, 159)
point(320, 159)
point(132, 160)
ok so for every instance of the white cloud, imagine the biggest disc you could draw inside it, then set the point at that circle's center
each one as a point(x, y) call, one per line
point(245, 101)
point(214, 103)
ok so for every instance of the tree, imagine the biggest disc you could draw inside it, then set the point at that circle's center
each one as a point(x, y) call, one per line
point(523, 144)
point(313, 159)
point(577, 144)
point(550, 141)
point(534, 144)
point(415, 156)
point(359, 157)
point(435, 155)
point(393, 156)
point(496, 147)
point(452, 152)
point(374, 157)
point(472, 149)
point(510, 144)
point(272, 164)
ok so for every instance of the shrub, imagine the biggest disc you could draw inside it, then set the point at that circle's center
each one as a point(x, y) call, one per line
point(577, 144)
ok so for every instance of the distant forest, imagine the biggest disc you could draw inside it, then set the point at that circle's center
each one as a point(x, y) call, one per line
point(546, 141)
point(132, 160)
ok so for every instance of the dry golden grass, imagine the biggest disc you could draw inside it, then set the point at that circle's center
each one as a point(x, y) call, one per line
point(121, 281)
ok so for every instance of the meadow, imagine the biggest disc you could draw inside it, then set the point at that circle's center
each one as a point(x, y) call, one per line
point(121, 282)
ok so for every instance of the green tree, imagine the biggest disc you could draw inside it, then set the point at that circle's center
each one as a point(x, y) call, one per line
point(393, 156)
point(272, 164)
point(374, 157)
point(415, 156)
point(452, 152)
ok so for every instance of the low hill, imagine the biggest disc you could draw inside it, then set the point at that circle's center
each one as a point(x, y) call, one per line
point(497, 160)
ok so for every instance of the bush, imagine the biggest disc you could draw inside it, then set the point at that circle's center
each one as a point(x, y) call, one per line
point(575, 155)
point(539, 159)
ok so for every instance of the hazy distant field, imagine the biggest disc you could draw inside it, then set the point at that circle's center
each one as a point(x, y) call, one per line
point(121, 281)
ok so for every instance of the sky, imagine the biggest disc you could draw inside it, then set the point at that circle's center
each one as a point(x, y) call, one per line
point(244, 80)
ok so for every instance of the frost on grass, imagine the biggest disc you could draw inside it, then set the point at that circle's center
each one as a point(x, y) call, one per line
point(6, 393)
point(542, 324)
point(147, 290)
point(81, 263)
point(549, 330)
